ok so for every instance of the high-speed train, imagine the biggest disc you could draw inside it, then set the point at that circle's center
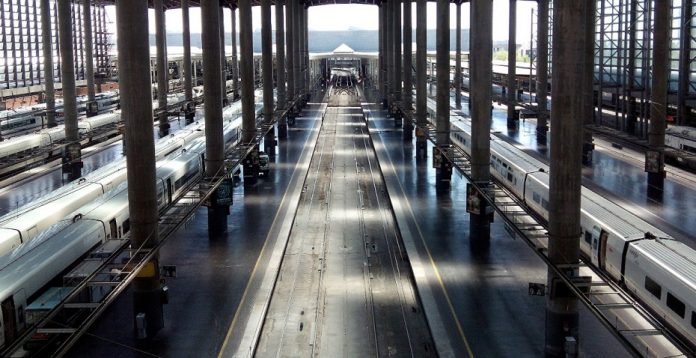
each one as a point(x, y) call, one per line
point(682, 138)
point(30, 267)
point(656, 268)
point(48, 136)
point(25, 223)
point(27, 119)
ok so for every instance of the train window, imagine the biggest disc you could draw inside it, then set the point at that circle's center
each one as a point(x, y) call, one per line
point(588, 237)
point(693, 319)
point(509, 177)
point(536, 197)
point(676, 305)
point(653, 287)
point(126, 226)
point(544, 203)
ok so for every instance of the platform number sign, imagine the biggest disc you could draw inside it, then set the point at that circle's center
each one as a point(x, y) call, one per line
point(223, 194)
point(473, 200)
point(653, 161)
point(537, 289)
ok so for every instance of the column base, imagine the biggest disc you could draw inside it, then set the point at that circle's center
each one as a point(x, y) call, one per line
point(421, 147)
point(408, 132)
point(282, 130)
point(217, 220)
point(443, 175)
point(251, 168)
point(656, 185)
point(587, 149)
point(72, 162)
point(148, 301)
point(559, 325)
point(269, 143)
point(164, 129)
point(92, 109)
point(542, 132)
point(190, 113)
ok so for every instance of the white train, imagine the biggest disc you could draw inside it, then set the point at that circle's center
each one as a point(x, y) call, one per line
point(48, 136)
point(682, 138)
point(27, 119)
point(656, 268)
point(25, 223)
point(30, 267)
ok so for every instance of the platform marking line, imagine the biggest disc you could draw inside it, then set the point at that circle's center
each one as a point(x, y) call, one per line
point(253, 272)
point(435, 269)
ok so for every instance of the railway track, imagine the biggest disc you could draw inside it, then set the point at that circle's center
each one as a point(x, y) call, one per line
point(344, 287)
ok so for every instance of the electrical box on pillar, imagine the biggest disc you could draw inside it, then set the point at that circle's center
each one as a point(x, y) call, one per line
point(72, 163)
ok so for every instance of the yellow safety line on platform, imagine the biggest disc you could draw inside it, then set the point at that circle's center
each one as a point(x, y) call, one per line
point(437, 272)
point(253, 272)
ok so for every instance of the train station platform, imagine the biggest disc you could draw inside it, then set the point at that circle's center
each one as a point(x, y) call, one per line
point(475, 299)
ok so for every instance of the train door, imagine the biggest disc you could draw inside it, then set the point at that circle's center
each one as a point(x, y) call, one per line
point(9, 320)
point(112, 229)
point(602, 253)
point(169, 190)
point(594, 249)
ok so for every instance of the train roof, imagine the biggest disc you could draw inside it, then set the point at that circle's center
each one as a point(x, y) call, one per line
point(16, 266)
point(682, 131)
point(673, 256)
point(616, 217)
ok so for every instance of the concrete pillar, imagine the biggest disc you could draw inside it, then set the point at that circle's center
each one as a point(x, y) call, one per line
point(289, 35)
point(48, 63)
point(223, 60)
point(235, 62)
point(398, 84)
point(72, 163)
point(631, 117)
point(542, 70)
point(421, 95)
point(89, 58)
point(302, 42)
point(280, 68)
point(251, 167)
point(512, 66)
point(684, 63)
point(188, 88)
point(212, 97)
point(280, 54)
point(300, 78)
point(588, 91)
point(569, 61)
point(458, 60)
point(443, 174)
point(655, 164)
point(267, 58)
point(480, 79)
point(389, 52)
point(162, 67)
point(296, 48)
point(247, 70)
point(134, 85)
point(305, 16)
point(408, 70)
point(382, 57)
